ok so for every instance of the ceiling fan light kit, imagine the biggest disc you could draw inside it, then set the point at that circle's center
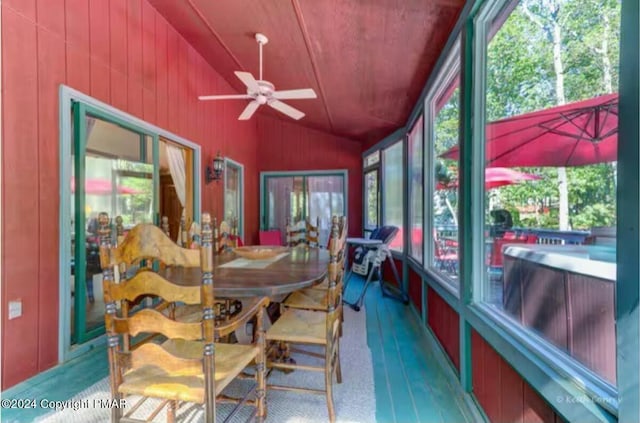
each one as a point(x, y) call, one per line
point(262, 92)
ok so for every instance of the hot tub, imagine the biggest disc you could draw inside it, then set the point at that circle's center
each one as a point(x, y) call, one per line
point(566, 294)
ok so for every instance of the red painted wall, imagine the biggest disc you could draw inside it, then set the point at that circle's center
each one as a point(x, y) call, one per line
point(124, 53)
point(445, 324)
point(415, 289)
point(287, 146)
point(502, 393)
point(387, 272)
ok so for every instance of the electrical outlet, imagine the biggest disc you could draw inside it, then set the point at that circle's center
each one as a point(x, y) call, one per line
point(15, 309)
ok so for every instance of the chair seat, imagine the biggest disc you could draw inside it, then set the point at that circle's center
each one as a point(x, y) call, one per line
point(310, 299)
point(324, 285)
point(300, 326)
point(153, 381)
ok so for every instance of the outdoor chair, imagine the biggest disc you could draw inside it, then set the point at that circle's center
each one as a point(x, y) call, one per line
point(445, 254)
point(314, 328)
point(182, 364)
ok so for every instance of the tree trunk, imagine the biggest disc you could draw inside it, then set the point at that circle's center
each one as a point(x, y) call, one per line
point(563, 191)
point(606, 76)
point(549, 24)
point(454, 214)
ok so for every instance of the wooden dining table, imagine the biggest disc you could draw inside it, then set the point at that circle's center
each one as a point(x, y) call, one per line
point(300, 268)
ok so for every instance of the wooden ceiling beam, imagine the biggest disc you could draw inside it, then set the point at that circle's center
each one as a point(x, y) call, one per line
point(316, 73)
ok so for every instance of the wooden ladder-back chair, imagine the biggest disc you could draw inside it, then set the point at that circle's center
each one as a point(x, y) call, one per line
point(296, 233)
point(312, 234)
point(315, 297)
point(189, 366)
point(319, 328)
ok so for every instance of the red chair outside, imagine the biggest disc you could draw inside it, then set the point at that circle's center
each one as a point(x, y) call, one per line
point(272, 237)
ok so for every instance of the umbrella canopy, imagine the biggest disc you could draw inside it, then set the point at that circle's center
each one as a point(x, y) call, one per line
point(575, 134)
point(495, 177)
point(99, 186)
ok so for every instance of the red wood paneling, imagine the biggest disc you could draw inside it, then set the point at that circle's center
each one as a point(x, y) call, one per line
point(148, 46)
point(502, 393)
point(99, 31)
point(415, 289)
point(123, 53)
point(118, 35)
point(78, 75)
point(387, 272)
point(445, 324)
point(27, 8)
point(51, 16)
point(134, 40)
point(77, 24)
point(51, 57)
point(100, 81)
point(20, 228)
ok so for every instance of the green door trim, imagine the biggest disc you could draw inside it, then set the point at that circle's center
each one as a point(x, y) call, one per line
point(67, 98)
point(304, 174)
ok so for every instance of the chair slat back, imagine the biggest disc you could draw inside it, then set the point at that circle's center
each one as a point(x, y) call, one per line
point(335, 272)
point(159, 356)
point(296, 233)
point(149, 320)
point(146, 241)
point(312, 235)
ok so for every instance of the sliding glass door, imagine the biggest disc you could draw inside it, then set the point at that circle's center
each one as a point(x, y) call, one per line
point(302, 195)
point(125, 170)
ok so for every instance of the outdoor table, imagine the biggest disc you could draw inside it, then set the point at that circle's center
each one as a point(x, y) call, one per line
point(235, 277)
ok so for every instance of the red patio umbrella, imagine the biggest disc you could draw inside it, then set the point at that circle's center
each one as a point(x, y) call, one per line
point(495, 177)
point(575, 134)
point(100, 186)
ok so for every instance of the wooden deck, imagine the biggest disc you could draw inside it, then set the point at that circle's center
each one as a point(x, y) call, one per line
point(411, 383)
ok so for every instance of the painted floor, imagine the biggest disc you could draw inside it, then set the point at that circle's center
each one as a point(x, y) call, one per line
point(411, 385)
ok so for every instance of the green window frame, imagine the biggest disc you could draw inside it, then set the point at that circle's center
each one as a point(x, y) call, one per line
point(83, 105)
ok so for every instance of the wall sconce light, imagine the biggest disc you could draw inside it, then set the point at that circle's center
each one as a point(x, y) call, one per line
point(214, 171)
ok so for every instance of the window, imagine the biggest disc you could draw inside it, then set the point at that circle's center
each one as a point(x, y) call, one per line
point(122, 166)
point(313, 195)
point(233, 194)
point(443, 105)
point(392, 191)
point(549, 185)
point(371, 200)
point(415, 190)
point(372, 159)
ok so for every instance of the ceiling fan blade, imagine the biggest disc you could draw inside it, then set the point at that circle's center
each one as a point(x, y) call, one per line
point(295, 94)
point(224, 97)
point(248, 80)
point(249, 110)
point(286, 109)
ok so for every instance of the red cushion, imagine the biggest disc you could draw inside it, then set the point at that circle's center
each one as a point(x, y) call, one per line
point(270, 237)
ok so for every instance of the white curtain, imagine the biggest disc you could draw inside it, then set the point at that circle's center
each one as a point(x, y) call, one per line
point(177, 167)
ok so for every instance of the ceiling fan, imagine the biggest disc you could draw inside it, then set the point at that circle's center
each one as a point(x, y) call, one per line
point(263, 92)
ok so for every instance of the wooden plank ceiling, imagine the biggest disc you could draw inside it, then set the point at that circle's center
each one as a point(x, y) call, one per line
point(367, 60)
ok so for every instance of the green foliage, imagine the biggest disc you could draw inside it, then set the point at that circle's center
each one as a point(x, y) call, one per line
point(521, 79)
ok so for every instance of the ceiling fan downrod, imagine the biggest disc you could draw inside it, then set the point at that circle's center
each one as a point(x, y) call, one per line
point(262, 40)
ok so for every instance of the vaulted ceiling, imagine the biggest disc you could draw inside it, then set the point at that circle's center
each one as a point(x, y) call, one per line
point(367, 60)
